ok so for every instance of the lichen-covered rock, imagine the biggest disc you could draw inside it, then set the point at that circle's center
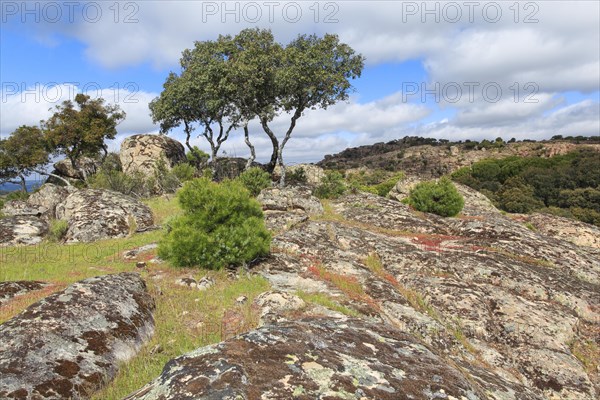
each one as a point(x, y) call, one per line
point(22, 230)
point(313, 173)
point(100, 214)
point(317, 358)
point(84, 165)
point(23, 208)
point(10, 290)
point(287, 207)
point(71, 343)
point(577, 232)
point(482, 288)
point(274, 304)
point(139, 153)
point(49, 196)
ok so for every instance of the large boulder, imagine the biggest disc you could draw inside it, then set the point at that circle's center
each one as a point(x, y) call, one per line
point(94, 214)
point(84, 165)
point(313, 173)
point(22, 230)
point(286, 207)
point(49, 196)
point(139, 153)
point(317, 358)
point(71, 343)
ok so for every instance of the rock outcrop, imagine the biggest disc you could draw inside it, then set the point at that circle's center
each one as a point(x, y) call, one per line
point(139, 153)
point(22, 230)
point(286, 207)
point(85, 167)
point(318, 358)
point(100, 214)
point(577, 232)
point(48, 197)
point(10, 290)
point(482, 289)
point(71, 343)
point(415, 156)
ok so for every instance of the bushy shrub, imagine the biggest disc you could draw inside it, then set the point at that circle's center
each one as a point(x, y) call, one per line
point(439, 198)
point(16, 195)
point(255, 179)
point(184, 172)
point(135, 184)
point(331, 187)
point(221, 226)
point(196, 156)
point(58, 229)
point(378, 182)
point(296, 176)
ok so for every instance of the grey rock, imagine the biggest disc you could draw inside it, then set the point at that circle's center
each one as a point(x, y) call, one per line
point(100, 214)
point(10, 290)
point(317, 358)
point(139, 153)
point(49, 196)
point(22, 230)
point(284, 208)
point(65, 169)
point(71, 343)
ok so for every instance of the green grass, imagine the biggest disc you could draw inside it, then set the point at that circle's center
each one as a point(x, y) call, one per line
point(185, 318)
point(326, 301)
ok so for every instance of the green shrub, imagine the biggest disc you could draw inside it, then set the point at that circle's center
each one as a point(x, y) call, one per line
point(197, 156)
point(255, 179)
point(378, 182)
point(16, 195)
point(184, 172)
point(439, 198)
point(58, 230)
point(296, 176)
point(135, 184)
point(331, 187)
point(221, 226)
point(166, 180)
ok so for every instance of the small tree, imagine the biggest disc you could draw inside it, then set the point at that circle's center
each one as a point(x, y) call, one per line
point(80, 129)
point(23, 152)
point(309, 73)
point(439, 198)
point(221, 226)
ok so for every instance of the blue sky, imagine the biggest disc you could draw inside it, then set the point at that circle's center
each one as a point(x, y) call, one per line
point(548, 50)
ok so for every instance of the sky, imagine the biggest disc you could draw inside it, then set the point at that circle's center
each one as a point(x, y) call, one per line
point(455, 70)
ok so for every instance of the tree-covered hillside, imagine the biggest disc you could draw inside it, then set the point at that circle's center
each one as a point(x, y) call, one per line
point(567, 185)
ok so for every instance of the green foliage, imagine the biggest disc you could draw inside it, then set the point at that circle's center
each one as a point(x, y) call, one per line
point(166, 180)
point(227, 82)
point(184, 172)
point(255, 179)
point(18, 195)
point(135, 184)
point(221, 226)
point(58, 229)
point(332, 186)
point(197, 157)
point(80, 129)
point(23, 152)
point(378, 181)
point(525, 184)
point(440, 198)
point(296, 176)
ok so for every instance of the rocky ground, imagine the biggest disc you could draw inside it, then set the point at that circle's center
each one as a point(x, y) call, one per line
point(474, 307)
point(368, 299)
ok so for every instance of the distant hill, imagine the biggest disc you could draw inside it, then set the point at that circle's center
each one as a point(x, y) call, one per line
point(430, 157)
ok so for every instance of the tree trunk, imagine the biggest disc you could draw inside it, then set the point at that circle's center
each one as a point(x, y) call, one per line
point(288, 134)
point(274, 141)
point(251, 146)
point(23, 184)
point(52, 175)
